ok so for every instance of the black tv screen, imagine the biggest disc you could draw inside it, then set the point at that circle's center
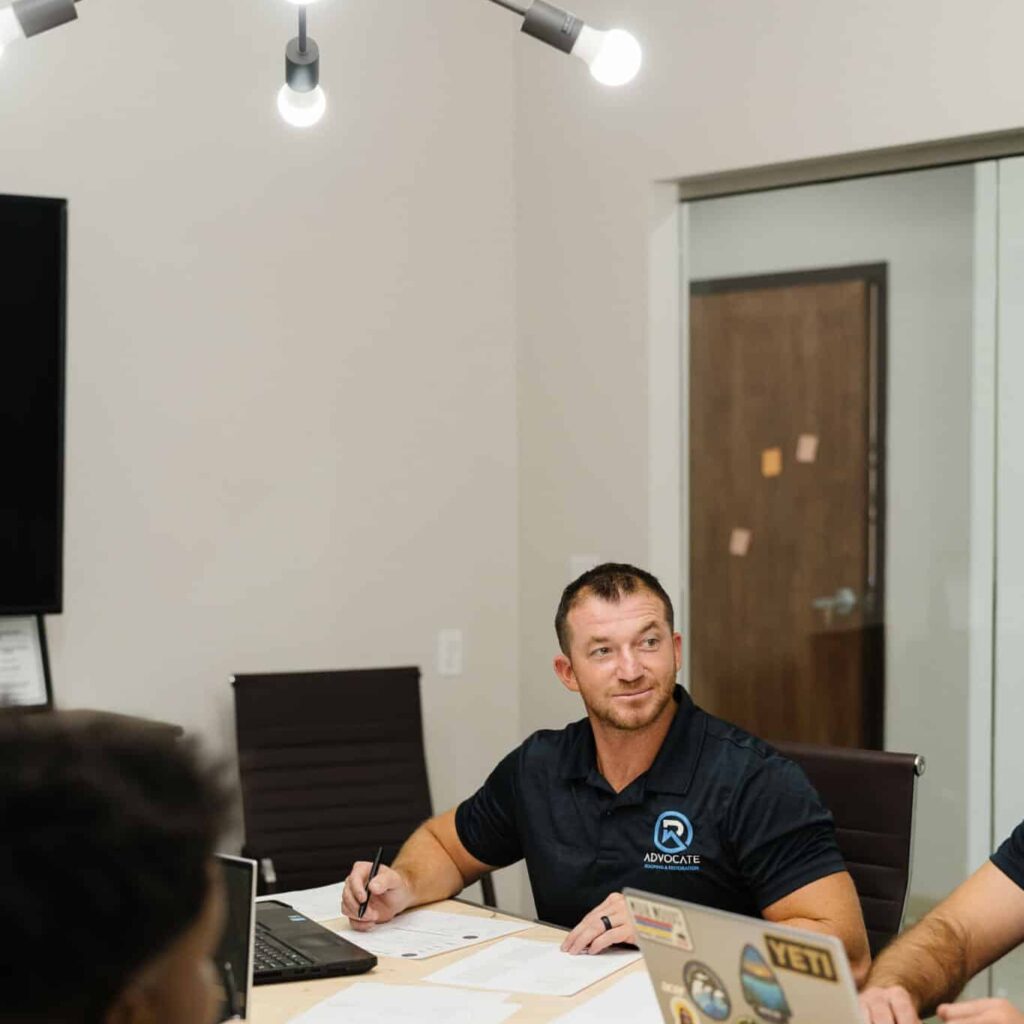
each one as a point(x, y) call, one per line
point(33, 261)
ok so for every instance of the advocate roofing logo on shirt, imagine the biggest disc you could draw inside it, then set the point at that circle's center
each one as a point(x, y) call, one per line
point(673, 836)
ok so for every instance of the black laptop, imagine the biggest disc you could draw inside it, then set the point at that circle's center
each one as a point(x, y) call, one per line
point(290, 947)
point(286, 945)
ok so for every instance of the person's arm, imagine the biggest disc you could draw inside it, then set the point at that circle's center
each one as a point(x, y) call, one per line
point(432, 865)
point(930, 964)
point(830, 906)
point(435, 861)
point(785, 844)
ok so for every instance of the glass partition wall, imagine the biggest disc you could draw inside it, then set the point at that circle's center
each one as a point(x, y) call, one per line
point(852, 471)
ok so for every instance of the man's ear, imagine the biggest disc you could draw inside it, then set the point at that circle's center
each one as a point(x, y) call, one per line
point(677, 646)
point(563, 669)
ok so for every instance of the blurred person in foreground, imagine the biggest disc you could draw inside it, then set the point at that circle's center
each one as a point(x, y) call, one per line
point(110, 901)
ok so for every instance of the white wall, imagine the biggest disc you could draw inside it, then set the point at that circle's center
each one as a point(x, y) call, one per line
point(724, 86)
point(291, 408)
point(921, 226)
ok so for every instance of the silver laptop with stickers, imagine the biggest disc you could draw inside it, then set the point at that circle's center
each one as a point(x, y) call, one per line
point(711, 966)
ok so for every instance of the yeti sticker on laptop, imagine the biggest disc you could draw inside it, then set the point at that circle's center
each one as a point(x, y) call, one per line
point(795, 956)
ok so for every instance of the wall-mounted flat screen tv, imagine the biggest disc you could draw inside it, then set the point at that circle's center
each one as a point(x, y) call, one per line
point(33, 273)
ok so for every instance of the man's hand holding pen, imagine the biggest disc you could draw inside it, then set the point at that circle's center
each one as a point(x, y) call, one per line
point(389, 894)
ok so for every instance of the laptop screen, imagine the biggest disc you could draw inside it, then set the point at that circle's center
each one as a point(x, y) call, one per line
point(234, 957)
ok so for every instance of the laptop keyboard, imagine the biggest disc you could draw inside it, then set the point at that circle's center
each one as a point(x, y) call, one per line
point(272, 955)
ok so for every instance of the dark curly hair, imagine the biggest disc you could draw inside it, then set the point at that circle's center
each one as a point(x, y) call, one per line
point(609, 582)
point(106, 831)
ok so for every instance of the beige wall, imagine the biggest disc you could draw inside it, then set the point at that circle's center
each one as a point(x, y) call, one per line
point(291, 411)
point(297, 361)
point(724, 85)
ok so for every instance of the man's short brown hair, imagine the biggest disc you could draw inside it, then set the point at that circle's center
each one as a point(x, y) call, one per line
point(610, 582)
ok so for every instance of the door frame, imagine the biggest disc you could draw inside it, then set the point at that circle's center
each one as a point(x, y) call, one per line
point(667, 333)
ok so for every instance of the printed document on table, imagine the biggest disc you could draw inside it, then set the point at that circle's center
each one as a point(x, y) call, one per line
point(371, 1003)
point(425, 933)
point(539, 968)
point(321, 904)
point(631, 999)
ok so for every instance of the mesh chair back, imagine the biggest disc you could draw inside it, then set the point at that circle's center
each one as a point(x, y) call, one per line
point(332, 765)
point(871, 796)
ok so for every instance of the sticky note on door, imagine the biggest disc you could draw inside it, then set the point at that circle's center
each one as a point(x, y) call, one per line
point(807, 448)
point(771, 462)
point(739, 542)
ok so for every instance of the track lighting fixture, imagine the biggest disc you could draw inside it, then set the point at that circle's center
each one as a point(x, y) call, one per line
point(301, 101)
point(614, 57)
point(24, 18)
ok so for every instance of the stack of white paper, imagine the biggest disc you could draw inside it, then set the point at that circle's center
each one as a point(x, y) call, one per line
point(321, 904)
point(539, 968)
point(371, 1003)
point(425, 933)
point(631, 999)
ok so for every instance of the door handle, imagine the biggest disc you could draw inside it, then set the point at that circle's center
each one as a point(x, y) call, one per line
point(842, 602)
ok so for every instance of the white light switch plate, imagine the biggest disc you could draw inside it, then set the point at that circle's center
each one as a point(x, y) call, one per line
point(449, 652)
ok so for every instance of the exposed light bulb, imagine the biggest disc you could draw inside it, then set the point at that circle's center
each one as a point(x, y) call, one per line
point(614, 56)
point(301, 109)
point(10, 27)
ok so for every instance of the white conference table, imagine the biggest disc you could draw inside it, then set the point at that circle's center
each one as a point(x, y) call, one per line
point(277, 1004)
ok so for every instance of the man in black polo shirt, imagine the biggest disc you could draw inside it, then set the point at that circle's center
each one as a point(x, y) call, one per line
point(646, 791)
point(927, 967)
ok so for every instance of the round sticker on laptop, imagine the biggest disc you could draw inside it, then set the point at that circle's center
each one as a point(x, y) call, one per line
point(707, 990)
point(761, 988)
point(682, 1012)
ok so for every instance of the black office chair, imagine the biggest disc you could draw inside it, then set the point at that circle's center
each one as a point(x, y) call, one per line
point(332, 765)
point(871, 796)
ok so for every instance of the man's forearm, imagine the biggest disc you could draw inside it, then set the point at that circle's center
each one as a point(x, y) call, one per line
point(930, 962)
point(428, 869)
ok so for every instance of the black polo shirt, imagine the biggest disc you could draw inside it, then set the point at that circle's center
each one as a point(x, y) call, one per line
point(1009, 858)
point(719, 819)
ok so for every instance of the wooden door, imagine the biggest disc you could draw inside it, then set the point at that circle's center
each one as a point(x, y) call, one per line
point(786, 544)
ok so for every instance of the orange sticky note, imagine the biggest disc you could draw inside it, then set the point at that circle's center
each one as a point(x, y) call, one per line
point(771, 462)
point(739, 542)
point(807, 448)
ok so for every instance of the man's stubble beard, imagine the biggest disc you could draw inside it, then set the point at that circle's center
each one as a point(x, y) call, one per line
point(630, 725)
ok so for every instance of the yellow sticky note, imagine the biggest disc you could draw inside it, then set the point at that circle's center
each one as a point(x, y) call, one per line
point(739, 542)
point(807, 448)
point(771, 462)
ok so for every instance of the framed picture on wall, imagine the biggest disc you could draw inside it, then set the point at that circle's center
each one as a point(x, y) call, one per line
point(24, 664)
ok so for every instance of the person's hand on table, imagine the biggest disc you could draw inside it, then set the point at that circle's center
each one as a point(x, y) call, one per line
point(980, 1011)
point(888, 1006)
point(592, 934)
point(389, 895)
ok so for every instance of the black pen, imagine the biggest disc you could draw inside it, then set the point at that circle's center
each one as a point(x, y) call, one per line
point(373, 872)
